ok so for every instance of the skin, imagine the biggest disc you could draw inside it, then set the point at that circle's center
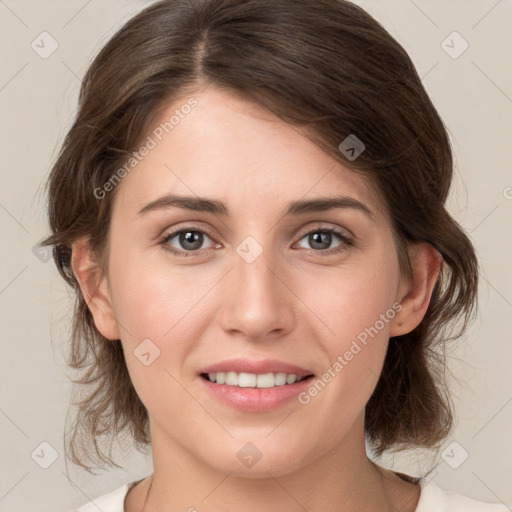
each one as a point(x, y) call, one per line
point(292, 303)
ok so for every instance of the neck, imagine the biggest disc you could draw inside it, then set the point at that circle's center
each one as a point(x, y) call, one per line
point(342, 479)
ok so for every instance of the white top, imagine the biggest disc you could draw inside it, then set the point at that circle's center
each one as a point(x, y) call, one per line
point(432, 499)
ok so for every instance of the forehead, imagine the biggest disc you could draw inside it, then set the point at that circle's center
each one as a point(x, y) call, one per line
point(215, 143)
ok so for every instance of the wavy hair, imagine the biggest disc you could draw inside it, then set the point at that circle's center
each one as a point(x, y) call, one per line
point(326, 66)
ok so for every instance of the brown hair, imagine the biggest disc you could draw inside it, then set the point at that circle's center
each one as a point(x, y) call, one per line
point(325, 65)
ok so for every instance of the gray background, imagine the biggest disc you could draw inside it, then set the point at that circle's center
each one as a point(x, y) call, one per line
point(473, 93)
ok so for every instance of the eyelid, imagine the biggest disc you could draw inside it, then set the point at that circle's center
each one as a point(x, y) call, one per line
point(320, 226)
point(187, 226)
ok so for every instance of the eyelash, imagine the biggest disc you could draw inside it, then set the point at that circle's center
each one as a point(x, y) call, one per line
point(345, 240)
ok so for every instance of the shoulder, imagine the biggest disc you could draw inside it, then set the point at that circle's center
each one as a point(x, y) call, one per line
point(433, 498)
point(113, 501)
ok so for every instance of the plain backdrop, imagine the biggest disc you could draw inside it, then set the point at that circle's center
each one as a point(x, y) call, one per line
point(468, 76)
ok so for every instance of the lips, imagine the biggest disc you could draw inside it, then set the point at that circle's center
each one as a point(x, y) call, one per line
point(264, 366)
point(254, 386)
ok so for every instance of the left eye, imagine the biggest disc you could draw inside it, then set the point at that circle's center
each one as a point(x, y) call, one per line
point(321, 239)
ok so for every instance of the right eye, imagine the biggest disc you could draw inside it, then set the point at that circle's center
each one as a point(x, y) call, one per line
point(190, 239)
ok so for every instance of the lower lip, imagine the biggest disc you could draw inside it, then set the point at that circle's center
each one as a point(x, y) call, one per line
point(255, 399)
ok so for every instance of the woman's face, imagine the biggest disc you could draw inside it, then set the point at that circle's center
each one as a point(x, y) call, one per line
point(251, 281)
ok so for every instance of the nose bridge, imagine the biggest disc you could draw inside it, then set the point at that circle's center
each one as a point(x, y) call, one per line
point(256, 271)
point(259, 302)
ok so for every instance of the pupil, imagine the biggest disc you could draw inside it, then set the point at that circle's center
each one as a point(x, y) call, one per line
point(191, 237)
point(318, 238)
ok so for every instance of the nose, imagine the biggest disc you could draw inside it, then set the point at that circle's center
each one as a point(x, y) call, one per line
point(258, 302)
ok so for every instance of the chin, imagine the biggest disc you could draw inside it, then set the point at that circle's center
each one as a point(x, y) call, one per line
point(257, 459)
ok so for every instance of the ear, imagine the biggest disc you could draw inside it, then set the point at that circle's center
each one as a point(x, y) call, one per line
point(414, 294)
point(94, 288)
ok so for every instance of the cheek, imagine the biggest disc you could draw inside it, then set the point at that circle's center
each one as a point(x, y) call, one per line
point(352, 299)
point(167, 305)
point(355, 307)
point(154, 300)
point(159, 309)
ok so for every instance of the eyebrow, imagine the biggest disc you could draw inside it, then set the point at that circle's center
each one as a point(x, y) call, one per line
point(202, 204)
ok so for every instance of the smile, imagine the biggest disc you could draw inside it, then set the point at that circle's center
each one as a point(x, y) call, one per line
point(253, 380)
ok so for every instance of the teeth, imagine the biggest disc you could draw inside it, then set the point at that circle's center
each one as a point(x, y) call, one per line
point(252, 380)
point(232, 379)
point(246, 380)
point(290, 379)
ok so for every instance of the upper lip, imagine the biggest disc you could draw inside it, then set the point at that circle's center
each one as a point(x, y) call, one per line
point(258, 367)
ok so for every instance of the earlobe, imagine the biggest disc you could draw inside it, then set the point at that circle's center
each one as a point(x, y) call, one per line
point(414, 296)
point(94, 288)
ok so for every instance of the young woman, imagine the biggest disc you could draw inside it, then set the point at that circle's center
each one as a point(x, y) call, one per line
point(250, 208)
